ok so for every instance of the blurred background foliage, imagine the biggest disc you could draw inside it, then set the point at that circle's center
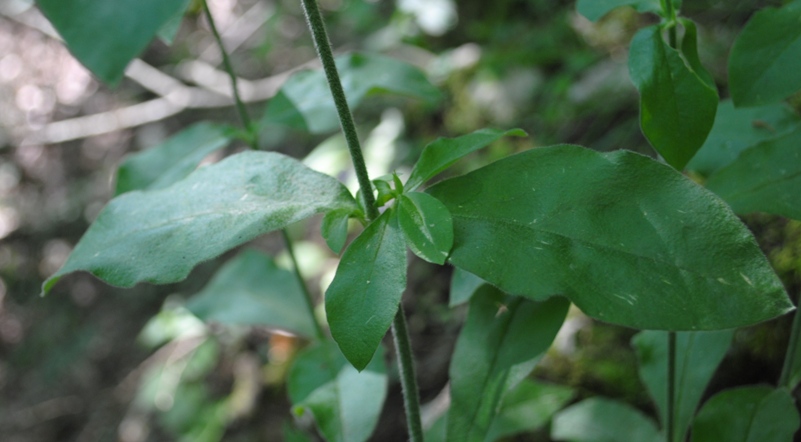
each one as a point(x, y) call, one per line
point(91, 362)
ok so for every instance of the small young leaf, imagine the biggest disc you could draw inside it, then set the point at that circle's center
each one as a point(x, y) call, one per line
point(766, 57)
point(627, 239)
point(498, 347)
point(385, 192)
point(603, 420)
point(363, 297)
point(172, 160)
point(698, 355)
point(764, 178)
point(251, 290)
point(677, 106)
point(304, 102)
point(427, 226)
point(463, 285)
point(747, 414)
point(334, 229)
point(528, 407)
point(738, 129)
point(106, 35)
point(345, 404)
point(442, 153)
point(159, 236)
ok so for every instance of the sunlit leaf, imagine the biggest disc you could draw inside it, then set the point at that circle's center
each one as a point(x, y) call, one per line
point(603, 420)
point(345, 404)
point(498, 347)
point(427, 226)
point(172, 160)
point(738, 129)
point(304, 102)
point(764, 178)
point(627, 239)
point(362, 299)
point(747, 414)
point(251, 290)
point(159, 236)
point(698, 355)
point(766, 57)
point(106, 35)
point(677, 105)
point(442, 153)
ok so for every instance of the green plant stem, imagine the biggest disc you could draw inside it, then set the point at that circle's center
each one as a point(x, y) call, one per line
point(321, 42)
point(240, 106)
point(318, 329)
point(671, 387)
point(411, 398)
point(670, 15)
point(788, 368)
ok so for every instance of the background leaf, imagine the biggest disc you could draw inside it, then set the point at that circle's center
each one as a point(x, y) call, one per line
point(427, 226)
point(497, 348)
point(442, 153)
point(159, 236)
point(304, 101)
point(603, 420)
point(627, 239)
point(747, 414)
point(528, 407)
point(106, 35)
point(170, 29)
point(698, 355)
point(677, 107)
point(595, 9)
point(172, 160)
point(363, 297)
point(345, 404)
point(463, 285)
point(738, 129)
point(766, 57)
point(764, 178)
point(251, 290)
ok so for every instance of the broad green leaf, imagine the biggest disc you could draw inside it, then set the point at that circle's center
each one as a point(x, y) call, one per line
point(677, 107)
point(603, 420)
point(463, 285)
point(334, 228)
point(169, 30)
point(595, 9)
point(345, 404)
point(629, 240)
point(362, 299)
point(502, 333)
point(738, 129)
point(159, 236)
point(698, 355)
point(764, 178)
point(106, 35)
point(427, 226)
point(747, 414)
point(528, 407)
point(766, 57)
point(292, 434)
point(442, 153)
point(172, 160)
point(251, 290)
point(305, 103)
point(689, 49)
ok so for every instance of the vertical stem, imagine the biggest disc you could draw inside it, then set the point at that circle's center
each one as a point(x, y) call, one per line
point(789, 359)
point(411, 400)
point(318, 330)
point(670, 16)
point(320, 36)
point(671, 387)
point(240, 106)
point(407, 374)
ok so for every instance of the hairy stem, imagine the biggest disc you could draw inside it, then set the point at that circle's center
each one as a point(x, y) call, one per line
point(671, 387)
point(318, 329)
point(320, 36)
point(411, 399)
point(407, 374)
point(240, 105)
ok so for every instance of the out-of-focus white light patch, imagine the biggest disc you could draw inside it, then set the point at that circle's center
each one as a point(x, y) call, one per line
point(379, 147)
point(10, 68)
point(55, 254)
point(434, 17)
point(9, 221)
